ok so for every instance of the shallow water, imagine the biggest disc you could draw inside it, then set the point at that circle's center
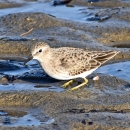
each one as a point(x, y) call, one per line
point(47, 7)
point(22, 119)
point(29, 86)
point(32, 68)
point(120, 70)
point(76, 13)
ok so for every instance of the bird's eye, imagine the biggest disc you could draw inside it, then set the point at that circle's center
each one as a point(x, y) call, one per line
point(40, 50)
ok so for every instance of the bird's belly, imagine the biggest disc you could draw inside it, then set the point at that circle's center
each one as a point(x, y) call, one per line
point(63, 76)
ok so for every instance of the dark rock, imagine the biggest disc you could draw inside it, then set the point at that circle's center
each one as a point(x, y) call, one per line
point(90, 1)
point(83, 121)
point(90, 123)
point(7, 121)
point(59, 2)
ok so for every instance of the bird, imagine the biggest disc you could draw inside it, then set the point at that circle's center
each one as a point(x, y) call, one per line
point(69, 63)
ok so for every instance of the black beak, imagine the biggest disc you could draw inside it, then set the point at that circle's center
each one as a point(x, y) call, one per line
point(26, 61)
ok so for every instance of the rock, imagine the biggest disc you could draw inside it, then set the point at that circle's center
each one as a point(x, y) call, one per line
point(59, 2)
point(91, 1)
point(4, 81)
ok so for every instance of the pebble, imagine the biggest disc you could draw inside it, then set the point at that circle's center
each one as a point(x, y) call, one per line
point(4, 81)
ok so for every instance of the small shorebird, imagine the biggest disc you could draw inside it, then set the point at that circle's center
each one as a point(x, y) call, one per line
point(67, 63)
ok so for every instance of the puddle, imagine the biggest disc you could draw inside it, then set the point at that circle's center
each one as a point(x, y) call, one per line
point(120, 70)
point(16, 67)
point(15, 118)
point(35, 78)
point(76, 13)
point(73, 13)
point(29, 86)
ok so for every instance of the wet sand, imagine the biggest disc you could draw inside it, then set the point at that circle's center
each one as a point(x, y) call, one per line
point(25, 89)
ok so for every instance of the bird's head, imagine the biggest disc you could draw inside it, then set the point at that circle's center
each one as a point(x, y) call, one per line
point(39, 50)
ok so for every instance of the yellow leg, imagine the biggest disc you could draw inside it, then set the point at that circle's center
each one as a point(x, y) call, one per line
point(67, 84)
point(80, 85)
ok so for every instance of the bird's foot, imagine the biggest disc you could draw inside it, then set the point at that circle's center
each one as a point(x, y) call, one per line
point(67, 84)
point(80, 85)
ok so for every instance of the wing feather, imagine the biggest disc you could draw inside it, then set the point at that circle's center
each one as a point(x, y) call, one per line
point(77, 61)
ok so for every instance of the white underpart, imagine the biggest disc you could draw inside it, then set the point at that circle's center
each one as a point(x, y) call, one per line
point(67, 77)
